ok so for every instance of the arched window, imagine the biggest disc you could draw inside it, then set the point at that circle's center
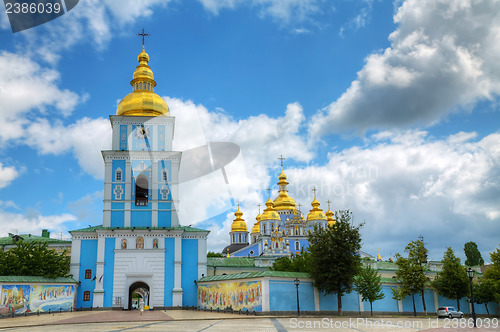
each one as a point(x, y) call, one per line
point(239, 237)
point(86, 296)
point(118, 175)
point(297, 245)
point(155, 243)
point(139, 244)
point(88, 274)
point(124, 243)
point(164, 175)
point(141, 190)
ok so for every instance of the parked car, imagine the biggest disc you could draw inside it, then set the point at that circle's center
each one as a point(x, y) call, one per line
point(449, 312)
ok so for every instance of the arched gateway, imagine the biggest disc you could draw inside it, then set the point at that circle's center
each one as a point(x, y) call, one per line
point(137, 291)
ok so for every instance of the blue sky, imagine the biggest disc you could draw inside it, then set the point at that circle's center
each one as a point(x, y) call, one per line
point(389, 108)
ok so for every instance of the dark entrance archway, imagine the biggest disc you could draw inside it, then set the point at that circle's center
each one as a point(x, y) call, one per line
point(136, 291)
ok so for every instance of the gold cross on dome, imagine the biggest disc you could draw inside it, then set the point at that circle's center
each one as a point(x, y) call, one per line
point(328, 201)
point(281, 158)
point(269, 191)
point(314, 189)
point(143, 34)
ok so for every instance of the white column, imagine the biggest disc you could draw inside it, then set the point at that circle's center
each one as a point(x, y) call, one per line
point(177, 291)
point(116, 136)
point(128, 193)
point(265, 295)
point(98, 290)
point(361, 304)
point(108, 178)
point(75, 258)
point(316, 299)
point(202, 257)
point(154, 188)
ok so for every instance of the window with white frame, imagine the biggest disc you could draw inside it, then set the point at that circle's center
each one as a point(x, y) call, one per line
point(118, 175)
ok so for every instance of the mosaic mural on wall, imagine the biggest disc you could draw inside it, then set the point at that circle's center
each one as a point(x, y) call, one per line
point(231, 295)
point(18, 299)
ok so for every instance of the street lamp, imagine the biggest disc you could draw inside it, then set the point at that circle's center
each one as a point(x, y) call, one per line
point(470, 274)
point(297, 282)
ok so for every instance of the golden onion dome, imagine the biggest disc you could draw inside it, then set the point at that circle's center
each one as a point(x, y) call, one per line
point(142, 101)
point(329, 217)
point(256, 226)
point(283, 201)
point(316, 213)
point(270, 213)
point(239, 224)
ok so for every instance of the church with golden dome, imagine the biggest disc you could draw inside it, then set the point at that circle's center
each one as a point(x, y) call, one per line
point(140, 249)
point(281, 229)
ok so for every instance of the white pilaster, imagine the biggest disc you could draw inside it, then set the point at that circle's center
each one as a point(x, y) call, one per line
point(108, 170)
point(316, 299)
point(99, 273)
point(361, 304)
point(202, 257)
point(177, 291)
point(75, 258)
point(265, 295)
point(128, 193)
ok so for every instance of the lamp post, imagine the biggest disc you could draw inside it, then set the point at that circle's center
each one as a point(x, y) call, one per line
point(470, 274)
point(297, 282)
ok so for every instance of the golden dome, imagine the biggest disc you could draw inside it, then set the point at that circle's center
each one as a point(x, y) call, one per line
point(256, 226)
point(270, 213)
point(316, 213)
point(329, 217)
point(142, 101)
point(239, 224)
point(283, 201)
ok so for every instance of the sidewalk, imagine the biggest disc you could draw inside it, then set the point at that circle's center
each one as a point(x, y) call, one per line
point(103, 316)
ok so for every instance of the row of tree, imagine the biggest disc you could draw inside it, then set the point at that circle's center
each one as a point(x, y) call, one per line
point(335, 265)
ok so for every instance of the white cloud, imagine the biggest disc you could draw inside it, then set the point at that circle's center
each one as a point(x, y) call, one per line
point(85, 139)
point(32, 223)
point(443, 56)
point(28, 90)
point(404, 184)
point(7, 175)
point(262, 140)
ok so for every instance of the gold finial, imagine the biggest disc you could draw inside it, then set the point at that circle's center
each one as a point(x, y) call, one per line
point(143, 34)
point(227, 253)
point(328, 201)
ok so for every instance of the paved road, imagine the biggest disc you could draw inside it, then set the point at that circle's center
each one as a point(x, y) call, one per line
point(185, 320)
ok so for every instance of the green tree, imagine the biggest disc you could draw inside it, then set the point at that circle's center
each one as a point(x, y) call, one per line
point(296, 263)
point(492, 274)
point(483, 293)
point(34, 259)
point(369, 285)
point(452, 280)
point(334, 256)
point(411, 273)
point(214, 254)
point(472, 254)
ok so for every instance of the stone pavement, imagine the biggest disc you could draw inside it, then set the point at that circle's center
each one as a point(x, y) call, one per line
point(190, 320)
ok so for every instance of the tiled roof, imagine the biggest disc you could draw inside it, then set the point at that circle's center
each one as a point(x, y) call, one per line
point(231, 261)
point(178, 228)
point(7, 240)
point(31, 279)
point(250, 275)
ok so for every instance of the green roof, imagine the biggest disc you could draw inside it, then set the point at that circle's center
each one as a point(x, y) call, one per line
point(31, 279)
point(178, 228)
point(231, 261)
point(7, 240)
point(250, 275)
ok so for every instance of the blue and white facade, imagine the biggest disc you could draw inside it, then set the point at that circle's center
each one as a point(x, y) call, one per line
point(140, 241)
